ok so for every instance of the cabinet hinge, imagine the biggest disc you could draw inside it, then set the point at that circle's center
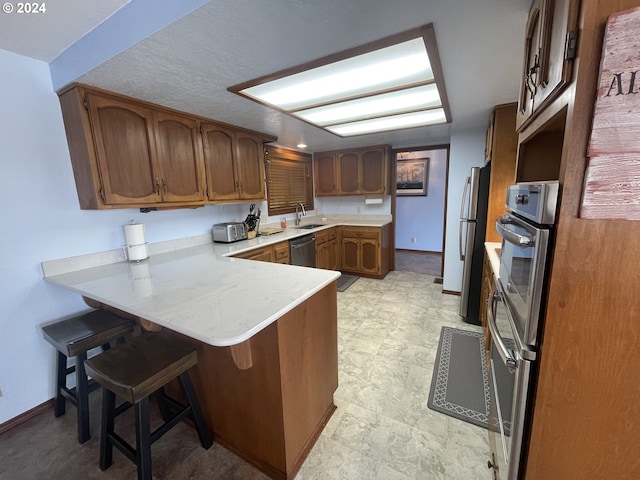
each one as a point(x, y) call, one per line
point(86, 103)
point(571, 46)
point(102, 194)
point(201, 130)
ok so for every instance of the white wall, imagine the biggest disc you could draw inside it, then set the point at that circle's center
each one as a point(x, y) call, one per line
point(422, 217)
point(467, 150)
point(41, 220)
point(352, 205)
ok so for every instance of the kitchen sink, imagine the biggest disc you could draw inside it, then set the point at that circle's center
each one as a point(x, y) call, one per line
point(310, 226)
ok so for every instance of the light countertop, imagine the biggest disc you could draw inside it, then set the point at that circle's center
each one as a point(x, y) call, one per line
point(193, 287)
point(293, 232)
point(493, 249)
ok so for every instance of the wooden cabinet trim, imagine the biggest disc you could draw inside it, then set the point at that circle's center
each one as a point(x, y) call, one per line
point(351, 176)
point(163, 183)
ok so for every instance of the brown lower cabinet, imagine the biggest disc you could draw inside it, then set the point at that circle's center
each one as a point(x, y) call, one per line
point(365, 250)
point(276, 253)
point(327, 249)
point(488, 285)
point(281, 253)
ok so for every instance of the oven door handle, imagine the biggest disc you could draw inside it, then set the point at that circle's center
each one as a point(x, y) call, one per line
point(512, 237)
point(509, 360)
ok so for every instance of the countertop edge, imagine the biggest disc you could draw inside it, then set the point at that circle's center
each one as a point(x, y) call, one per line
point(494, 259)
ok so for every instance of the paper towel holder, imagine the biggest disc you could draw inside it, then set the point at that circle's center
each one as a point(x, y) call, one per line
point(372, 200)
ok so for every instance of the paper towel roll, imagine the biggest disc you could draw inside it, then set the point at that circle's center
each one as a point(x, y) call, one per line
point(136, 239)
point(140, 275)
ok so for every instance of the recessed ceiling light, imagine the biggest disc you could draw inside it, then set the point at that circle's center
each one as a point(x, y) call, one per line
point(389, 84)
point(302, 145)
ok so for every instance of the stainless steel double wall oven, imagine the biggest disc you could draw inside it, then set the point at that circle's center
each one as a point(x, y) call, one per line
point(513, 312)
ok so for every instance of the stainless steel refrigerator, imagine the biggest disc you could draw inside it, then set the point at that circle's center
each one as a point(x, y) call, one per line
point(473, 222)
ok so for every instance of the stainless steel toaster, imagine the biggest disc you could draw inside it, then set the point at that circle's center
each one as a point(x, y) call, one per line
point(229, 232)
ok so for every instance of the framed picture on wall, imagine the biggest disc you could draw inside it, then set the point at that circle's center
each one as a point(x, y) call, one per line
point(412, 176)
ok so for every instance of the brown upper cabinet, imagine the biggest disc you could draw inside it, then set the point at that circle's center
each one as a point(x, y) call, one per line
point(234, 163)
point(127, 153)
point(180, 165)
point(501, 151)
point(362, 171)
point(325, 174)
point(549, 52)
point(125, 166)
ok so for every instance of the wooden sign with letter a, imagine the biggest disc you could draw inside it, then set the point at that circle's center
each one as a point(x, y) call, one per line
point(612, 184)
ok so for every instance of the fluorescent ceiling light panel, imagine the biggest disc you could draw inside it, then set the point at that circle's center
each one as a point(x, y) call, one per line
point(391, 67)
point(410, 99)
point(390, 84)
point(395, 122)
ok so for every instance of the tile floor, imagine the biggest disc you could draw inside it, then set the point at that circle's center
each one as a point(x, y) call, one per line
point(382, 429)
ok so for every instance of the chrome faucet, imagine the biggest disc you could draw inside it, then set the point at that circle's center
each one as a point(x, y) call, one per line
point(298, 216)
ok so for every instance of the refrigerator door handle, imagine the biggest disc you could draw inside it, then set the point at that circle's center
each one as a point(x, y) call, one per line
point(462, 222)
point(463, 219)
point(467, 184)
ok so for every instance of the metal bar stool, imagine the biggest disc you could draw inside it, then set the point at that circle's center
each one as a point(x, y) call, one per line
point(133, 371)
point(74, 337)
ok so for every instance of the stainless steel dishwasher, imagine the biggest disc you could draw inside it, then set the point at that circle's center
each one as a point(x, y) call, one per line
point(303, 250)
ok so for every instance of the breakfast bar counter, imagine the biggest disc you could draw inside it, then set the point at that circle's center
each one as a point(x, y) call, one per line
point(199, 292)
point(266, 336)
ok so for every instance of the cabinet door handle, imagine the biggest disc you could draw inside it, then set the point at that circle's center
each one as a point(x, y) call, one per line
point(164, 186)
point(532, 76)
point(157, 189)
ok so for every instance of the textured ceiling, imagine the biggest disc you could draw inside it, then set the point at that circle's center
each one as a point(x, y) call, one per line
point(45, 35)
point(190, 64)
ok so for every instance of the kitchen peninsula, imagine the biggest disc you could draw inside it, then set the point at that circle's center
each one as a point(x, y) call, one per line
point(266, 335)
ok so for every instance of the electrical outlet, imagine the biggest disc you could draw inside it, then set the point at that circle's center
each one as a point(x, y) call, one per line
point(263, 218)
point(413, 239)
point(358, 210)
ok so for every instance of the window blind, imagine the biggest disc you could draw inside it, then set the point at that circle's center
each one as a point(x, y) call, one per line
point(289, 181)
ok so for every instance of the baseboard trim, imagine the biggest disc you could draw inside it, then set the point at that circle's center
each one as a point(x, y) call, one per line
point(451, 292)
point(28, 415)
point(417, 251)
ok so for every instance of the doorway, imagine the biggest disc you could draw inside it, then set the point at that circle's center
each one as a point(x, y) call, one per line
point(419, 205)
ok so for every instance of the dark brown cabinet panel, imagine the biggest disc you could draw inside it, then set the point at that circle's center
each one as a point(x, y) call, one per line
point(374, 172)
point(350, 254)
point(549, 52)
point(219, 158)
point(261, 254)
point(250, 161)
point(333, 262)
point(502, 152)
point(281, 253)
point(370, 256)
point(362, 251)
point(125, 151)
point(349, 169)
point(234, 163)
point(325, 174)
point(362, 171)
point(179, 158)
point(327, 249)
